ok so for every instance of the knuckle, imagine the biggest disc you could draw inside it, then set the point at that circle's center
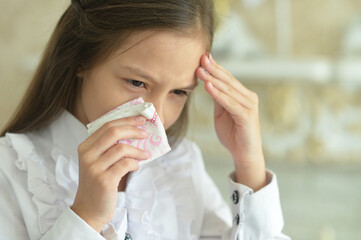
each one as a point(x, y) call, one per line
point(121, 147)
point(114, 131)
point(126, 163)
point(135, 167)
point(129, 164)
point(107, 125)
point(85, 157)
point(93, 170)
point(81, 148)
point(133, 129)
point(131, 120)
point(228, 89)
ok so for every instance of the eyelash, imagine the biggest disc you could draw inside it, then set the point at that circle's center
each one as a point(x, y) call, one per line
point(132, 82)
point(135, 82)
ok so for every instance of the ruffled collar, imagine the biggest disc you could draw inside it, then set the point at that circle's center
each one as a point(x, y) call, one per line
point(68, 132)
point(159, 198)
point(53, 184)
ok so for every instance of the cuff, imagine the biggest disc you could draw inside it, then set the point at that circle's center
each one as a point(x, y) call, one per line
point(116, 230)
point(257, 215)
point(70, 226)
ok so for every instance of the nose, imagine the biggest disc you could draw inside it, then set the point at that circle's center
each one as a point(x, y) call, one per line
point(159, 104)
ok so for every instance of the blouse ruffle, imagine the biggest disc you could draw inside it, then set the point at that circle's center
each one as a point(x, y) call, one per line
point(170, 195)
point(159, 198)
point(52, 190)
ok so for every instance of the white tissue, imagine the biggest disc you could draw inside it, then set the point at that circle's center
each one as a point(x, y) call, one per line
point(156, 142)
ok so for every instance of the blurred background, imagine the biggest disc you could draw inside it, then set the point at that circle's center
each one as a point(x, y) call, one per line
point(303, 59)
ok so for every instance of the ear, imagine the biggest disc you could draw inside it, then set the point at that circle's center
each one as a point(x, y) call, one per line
point(80, 72)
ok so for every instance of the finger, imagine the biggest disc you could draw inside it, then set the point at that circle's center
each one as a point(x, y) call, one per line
point(228, 103)
point(217, 67)
point(121, 168)
point(204, 75)
point(227, 89)
point(129, 121)
point(222, 74)
point(111, 135)
point(118, 152)
point(214, 68)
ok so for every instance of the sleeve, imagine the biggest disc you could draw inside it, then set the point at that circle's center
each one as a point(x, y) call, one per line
point(256, 215)
point(12, 225)
point(70, 226)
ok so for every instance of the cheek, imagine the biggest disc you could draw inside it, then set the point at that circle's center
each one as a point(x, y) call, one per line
point(98, 97)
point(172, 114)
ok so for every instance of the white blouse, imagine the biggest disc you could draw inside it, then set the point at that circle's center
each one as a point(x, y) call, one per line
point(172, 197)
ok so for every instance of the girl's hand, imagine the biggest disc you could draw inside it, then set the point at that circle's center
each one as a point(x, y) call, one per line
point(102, 164)
point(236, 121)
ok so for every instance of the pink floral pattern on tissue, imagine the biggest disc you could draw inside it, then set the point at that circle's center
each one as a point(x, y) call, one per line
point(148, 144)
point(156, 142)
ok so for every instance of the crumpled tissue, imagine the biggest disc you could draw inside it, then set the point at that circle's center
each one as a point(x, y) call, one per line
point(156, 142)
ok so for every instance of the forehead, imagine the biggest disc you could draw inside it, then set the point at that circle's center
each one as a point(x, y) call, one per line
point(163, 53)
point(162, 39)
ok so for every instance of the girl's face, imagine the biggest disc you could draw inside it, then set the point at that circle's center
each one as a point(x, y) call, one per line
point(157, 66)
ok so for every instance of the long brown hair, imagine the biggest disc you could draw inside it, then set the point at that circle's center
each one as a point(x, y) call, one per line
point(85, 35)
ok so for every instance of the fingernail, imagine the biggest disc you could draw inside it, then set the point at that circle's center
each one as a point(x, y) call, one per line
point(207, 60)
point(210, 85)
point(204, 70)
point(210, 57)
point(143, 133)
point(140, 119)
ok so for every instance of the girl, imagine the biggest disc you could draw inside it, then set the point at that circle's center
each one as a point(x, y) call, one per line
point(56, 182)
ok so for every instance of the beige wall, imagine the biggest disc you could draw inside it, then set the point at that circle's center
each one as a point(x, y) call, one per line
point(317, 25)
point(25, 27)
point(295, 117)
point(302, 121)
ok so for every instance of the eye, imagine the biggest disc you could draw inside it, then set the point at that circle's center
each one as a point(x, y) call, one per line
point(180, 92)
point(136, 83)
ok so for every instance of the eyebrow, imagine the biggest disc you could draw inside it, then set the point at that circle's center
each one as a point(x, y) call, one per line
point(192, 87)
point(140, 73)
point(146, 75)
